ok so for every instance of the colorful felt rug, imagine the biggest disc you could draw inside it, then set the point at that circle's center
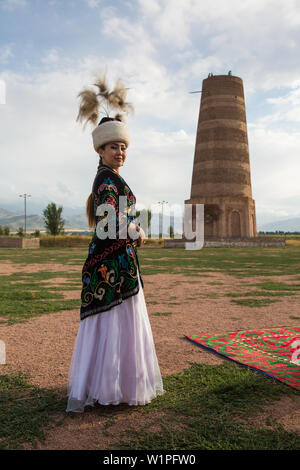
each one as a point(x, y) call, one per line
point(275, 352)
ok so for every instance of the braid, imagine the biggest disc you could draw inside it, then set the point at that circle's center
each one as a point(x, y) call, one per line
point(99, 165)
point(90, 203)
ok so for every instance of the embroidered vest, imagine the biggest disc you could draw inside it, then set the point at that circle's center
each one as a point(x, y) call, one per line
point(109, 274)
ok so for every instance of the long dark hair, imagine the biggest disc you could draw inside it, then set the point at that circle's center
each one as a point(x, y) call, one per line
point(90, 203)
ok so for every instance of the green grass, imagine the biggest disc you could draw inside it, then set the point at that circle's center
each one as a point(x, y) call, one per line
point(209, 407)
point(238, 262)
point(258, 294)
point(23, 295)
point(253, 302)
point(205, 407)
point(278, 286)
point(45, 255)
point(269, 289)
point(161, 314)
point(26, 411)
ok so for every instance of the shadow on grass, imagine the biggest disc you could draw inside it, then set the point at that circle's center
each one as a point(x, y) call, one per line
point(203, 408)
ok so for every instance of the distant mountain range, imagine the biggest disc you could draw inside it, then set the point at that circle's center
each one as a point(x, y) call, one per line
point(285, 225)
point(36, 222)
point(79, 222)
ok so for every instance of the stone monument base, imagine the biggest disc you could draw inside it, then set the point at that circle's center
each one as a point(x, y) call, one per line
point(229, 242)
point(20, 242)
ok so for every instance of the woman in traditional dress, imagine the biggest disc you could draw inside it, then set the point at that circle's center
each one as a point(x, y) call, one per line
point(114, 359)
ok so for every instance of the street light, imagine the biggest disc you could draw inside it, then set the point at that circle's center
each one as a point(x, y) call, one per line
point(162, 214)
point(25, 196)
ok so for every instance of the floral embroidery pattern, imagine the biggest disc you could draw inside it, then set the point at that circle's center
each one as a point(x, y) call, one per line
point(109, 274)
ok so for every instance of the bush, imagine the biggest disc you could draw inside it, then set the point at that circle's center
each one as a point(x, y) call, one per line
point(20, 232)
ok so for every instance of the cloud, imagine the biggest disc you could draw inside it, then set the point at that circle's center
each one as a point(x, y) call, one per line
point(51, 57)
point(93, 3)
point(162, 165)
point(6, 53)
point(47, 144)
point(256, 39)
point(275, 166)
point(55, 158)
point(11, 5)
point(161, 50)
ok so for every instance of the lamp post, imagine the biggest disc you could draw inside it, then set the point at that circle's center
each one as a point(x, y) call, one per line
point(25, 196)
point(162, 215)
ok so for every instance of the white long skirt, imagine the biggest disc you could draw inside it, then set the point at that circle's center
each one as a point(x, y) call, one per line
point(114, 359)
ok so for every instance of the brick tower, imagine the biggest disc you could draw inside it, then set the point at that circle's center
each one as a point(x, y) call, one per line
point(221, 172)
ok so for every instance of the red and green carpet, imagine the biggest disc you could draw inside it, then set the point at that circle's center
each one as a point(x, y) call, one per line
point(275, 352)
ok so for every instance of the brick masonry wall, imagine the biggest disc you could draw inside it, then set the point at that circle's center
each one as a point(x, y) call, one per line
point(252, 242)
point(221, 161)
point(12, 242)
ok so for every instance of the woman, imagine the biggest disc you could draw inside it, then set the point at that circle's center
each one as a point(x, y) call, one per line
point(114, 359)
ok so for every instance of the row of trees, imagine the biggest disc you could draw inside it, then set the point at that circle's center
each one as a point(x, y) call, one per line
point(4, 230)
point(278, 232)
point(20, 232)
point(52, 219)
point(54, 222)
point(149, 216)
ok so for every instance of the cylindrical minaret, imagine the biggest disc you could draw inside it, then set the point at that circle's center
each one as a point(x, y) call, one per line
point(221, 172)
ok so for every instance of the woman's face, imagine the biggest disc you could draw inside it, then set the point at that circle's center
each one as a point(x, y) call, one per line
point(113, 155)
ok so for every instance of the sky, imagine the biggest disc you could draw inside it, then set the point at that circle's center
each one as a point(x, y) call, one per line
point(161, 50)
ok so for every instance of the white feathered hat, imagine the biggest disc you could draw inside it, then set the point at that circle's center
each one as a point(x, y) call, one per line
point(110, 131)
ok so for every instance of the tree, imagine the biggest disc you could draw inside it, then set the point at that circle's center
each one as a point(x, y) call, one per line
point(149, 214)
point(36, 233)
point(52, 218)
point(1, 230)
point(20, 232)
point(171, 231)
point(6, 230)
point(145, 214)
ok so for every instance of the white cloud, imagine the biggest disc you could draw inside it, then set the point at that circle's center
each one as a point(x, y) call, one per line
point(161, 53)
point(150, 7)
point(275, 166)
point(11, 5)
point(55, 158)
point(257, 39)
point(51, 57)
point(93, 3)
point(6, 53)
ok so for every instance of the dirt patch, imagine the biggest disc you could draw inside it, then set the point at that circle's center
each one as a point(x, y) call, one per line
point(90, 432)
point(286, 412)
point(72, 294)
point(56, 281)
point(10, 268)
point(43, 345)
point(7, 267)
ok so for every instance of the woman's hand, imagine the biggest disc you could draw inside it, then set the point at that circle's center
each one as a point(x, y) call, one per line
point(142, 236)
point(139, 237)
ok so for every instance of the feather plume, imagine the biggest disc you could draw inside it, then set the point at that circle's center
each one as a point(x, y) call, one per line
point(88, 109)
point(117, 98)
point(120, 117)
point(91, 102)
point(102, 86)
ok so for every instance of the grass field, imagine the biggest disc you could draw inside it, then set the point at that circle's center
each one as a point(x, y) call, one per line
point(205, 407)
